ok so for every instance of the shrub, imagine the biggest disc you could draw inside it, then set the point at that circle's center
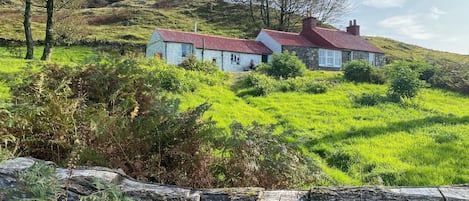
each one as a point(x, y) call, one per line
point(192, 63)
point(378, 76)
point(285, 65)
point(368, 99)
point(121, 119)
point(455, 78)
point(256, 157)
point(425, 71)
point(262, 84)
point(358, 71)
point(316, 87)
point(404, 82)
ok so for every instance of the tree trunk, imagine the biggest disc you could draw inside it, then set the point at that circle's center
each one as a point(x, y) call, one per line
point(27, 31)
point(49, 41)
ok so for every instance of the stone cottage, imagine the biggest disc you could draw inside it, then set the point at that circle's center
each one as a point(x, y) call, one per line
point(321, 48)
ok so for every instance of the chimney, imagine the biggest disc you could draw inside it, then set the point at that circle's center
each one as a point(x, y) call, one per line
point(309, 23)
point(353, 28)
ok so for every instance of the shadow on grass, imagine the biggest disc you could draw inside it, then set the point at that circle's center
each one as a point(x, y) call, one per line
point(406, 126)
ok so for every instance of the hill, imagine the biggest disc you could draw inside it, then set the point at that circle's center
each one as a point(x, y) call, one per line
point(133, 21)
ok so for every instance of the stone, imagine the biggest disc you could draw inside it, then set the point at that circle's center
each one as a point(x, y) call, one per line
point(81, 183)
point(455, 193)
point(429, 193)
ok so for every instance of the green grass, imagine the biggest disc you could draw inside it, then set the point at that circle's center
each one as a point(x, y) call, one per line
point(13, 62)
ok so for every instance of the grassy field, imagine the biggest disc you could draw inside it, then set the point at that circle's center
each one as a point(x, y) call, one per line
point(420, 142)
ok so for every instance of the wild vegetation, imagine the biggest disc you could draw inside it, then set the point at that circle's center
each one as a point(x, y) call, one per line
point(195, 126)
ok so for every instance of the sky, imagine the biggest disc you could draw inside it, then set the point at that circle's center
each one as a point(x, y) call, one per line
point(435, 24)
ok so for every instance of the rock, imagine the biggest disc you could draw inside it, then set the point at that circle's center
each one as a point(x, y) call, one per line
point(82, 183)
point(455, 193)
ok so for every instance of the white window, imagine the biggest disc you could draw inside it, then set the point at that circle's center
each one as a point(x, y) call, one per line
point(186, 50)
point(235, 58)
point(371, 58)
point(330, 58)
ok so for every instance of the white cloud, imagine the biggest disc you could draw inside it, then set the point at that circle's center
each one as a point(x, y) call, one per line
point(407, 25)
point(384, 3)
point(435, 13)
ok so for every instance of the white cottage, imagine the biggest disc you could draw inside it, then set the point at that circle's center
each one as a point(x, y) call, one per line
point(230, 54)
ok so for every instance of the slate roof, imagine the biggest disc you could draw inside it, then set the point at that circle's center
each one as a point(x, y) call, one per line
point(330, 38)
point(345, 40)
point(289, 38)
point(214, 42)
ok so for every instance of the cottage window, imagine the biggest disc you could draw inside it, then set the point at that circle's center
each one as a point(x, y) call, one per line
point(186, 50)
point(371, 58)
point(235, 58)
point(330, 58)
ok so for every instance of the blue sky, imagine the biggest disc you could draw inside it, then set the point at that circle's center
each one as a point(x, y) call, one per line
point(435, 24)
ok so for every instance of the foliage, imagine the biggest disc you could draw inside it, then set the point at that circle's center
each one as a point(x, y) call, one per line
point(378, 76)
point(358, 71)
point(192, 63)
point(368, 99)
point(455, 78)
point(264, 85)
point(105, 191)
point(285, 65)
point(254, 156)
point(40, 182)
point(404, 82)
point(124, 119)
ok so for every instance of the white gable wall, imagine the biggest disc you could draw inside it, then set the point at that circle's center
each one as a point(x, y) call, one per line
point(156, 45)
point(269, 42)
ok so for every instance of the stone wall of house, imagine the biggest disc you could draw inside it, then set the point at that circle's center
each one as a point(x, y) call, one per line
point(308, 55)
point(82, 183)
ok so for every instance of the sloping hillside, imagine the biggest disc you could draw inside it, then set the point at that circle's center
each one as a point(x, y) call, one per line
point(133, 21)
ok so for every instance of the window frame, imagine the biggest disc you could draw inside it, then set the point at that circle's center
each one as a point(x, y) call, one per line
point(371, 58)
point(330, 58)
point(186, 50)
point(235, 58)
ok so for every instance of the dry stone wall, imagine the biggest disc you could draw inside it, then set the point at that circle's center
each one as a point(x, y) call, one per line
point(80, 184)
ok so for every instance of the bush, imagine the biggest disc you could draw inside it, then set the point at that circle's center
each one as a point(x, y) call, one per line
point(113, 109)
point(192, 63)
point(455, 78)
point(425, 71)
point(262, 84)
point(404, 82)
point(316, 87)
point(358, 71)
point(378, 76)
point(257, 157)
point(285, 65)
point(368, 99)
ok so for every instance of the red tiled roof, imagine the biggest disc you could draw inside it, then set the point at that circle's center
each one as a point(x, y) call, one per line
point(329, 38)
point(214, 42)
point(289, 39)
point(344, 40)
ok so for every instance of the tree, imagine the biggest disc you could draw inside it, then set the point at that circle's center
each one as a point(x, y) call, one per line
point(328, 11)
point(287, 12)
point(27, 30)
point(49, 40)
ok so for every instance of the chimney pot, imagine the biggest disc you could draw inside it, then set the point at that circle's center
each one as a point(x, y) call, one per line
point(353, 29)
